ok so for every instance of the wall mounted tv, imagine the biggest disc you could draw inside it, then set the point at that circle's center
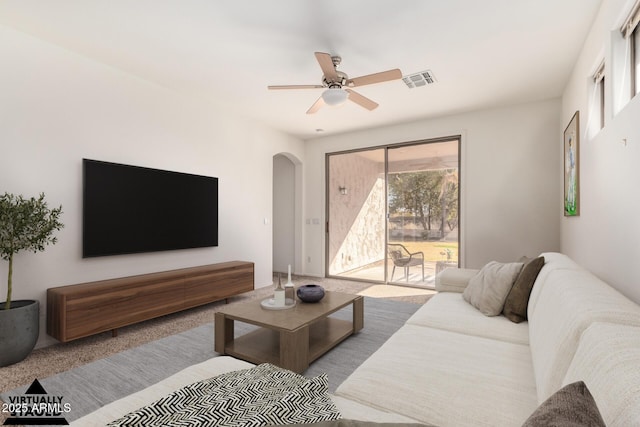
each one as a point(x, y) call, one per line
point(132, 209)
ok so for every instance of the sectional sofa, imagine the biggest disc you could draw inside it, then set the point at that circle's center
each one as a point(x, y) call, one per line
point(452, 365)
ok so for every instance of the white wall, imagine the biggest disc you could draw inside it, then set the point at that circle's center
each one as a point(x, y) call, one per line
point(57, 107)
point(606, 236)
point(510, 179)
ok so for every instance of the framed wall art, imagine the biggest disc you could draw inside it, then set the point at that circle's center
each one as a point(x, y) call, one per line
point(572, 167)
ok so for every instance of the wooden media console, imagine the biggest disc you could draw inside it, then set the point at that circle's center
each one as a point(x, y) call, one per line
point(77, 311)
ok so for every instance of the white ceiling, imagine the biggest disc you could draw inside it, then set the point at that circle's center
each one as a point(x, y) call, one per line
point(482, 53)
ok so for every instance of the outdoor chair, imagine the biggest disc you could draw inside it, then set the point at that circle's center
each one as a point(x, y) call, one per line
point(401, 257)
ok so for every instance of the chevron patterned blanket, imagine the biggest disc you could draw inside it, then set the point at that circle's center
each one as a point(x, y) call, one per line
point(259, 396)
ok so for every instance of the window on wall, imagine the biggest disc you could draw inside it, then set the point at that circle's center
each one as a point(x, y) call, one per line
point(630, 30)
point(598, 79)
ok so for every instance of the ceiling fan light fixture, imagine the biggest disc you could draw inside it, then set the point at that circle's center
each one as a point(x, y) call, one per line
point(334, 96)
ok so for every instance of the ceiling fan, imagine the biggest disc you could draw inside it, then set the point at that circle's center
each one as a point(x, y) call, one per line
point(337, 84)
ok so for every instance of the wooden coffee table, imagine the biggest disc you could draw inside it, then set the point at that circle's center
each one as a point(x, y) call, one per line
point(291, 338)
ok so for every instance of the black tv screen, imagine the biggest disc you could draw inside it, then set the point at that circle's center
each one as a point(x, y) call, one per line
point(132, 209)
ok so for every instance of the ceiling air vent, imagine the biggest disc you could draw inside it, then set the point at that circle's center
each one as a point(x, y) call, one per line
point(422, 78)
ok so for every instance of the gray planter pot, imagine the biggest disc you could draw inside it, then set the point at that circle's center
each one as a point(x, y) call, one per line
point(19, 329)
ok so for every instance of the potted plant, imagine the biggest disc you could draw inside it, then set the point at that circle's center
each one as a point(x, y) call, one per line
point(25, 224)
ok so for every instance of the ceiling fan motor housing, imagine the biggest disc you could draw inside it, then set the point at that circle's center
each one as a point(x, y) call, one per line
point(341, 81)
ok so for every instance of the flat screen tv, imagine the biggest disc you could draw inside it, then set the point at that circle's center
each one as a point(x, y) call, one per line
point(132, 209)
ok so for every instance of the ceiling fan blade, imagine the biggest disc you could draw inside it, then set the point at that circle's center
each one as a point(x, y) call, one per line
point(316, 106)
point(383, 76)
point(278, 87)
point(326, 63)
point(363, 101)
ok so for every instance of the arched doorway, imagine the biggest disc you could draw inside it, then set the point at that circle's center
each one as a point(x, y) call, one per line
point(287, 213)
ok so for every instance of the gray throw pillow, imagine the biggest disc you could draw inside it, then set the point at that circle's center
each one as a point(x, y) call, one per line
point(488, 289)
point(571, 406)
point(515, 306)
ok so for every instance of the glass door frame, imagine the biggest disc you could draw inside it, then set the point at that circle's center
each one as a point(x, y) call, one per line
point(386, 149)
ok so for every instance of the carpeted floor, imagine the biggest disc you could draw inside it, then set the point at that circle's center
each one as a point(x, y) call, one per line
point(48, 361)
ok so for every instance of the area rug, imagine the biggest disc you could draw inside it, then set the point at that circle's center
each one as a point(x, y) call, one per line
point(91, 386)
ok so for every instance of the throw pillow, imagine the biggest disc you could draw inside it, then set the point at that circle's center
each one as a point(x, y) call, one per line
point(488, 289)
point(571, 406)
point(515, 306)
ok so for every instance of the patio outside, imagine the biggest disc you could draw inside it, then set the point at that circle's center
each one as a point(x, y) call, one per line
point(438, 255)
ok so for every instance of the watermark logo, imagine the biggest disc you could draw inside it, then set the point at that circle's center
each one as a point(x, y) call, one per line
point(36, 408)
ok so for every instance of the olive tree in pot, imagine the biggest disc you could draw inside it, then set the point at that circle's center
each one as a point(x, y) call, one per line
point(25, 224)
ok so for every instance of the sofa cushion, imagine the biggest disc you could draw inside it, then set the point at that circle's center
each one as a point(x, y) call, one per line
point(447, 379)
point(608, 361)
point(488, 289)
point(552, 261)
point(449, 311)
point(569, 302)
point(515, 306)
point(571, 406)
point(351, 409)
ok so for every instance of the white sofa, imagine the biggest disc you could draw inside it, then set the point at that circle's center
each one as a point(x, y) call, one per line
point(450, 365)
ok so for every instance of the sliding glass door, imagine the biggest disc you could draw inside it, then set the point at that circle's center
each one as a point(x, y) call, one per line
point(423, 189)
point(393, 212)
point(356, 215)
